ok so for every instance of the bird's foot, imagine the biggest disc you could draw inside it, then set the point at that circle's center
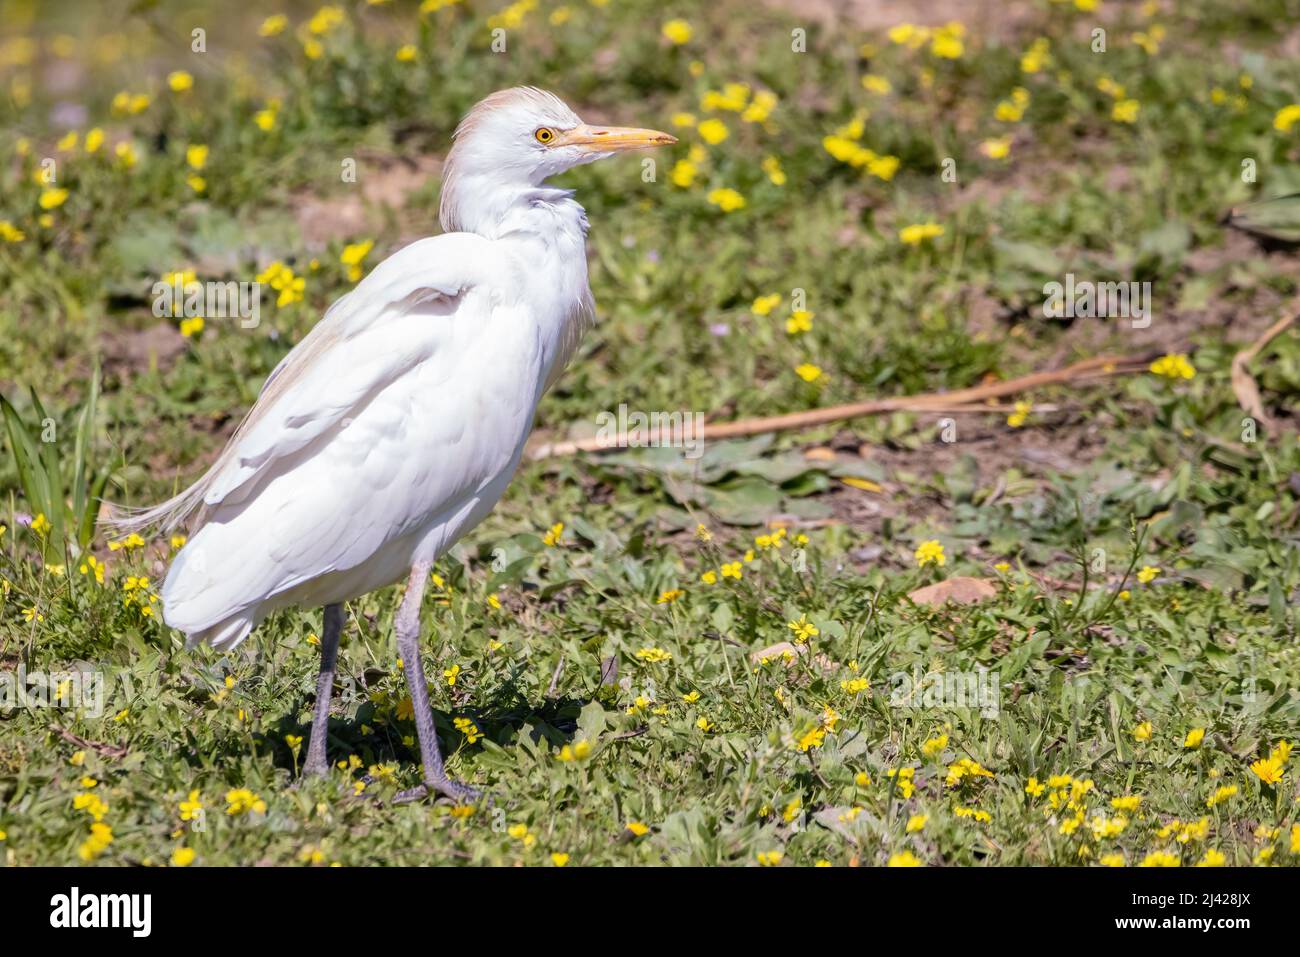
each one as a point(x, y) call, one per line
point(460, 793)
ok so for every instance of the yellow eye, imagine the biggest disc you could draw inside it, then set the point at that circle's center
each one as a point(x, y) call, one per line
point(545, 135)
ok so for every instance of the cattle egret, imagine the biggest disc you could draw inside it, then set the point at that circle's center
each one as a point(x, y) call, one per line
point(395, 425)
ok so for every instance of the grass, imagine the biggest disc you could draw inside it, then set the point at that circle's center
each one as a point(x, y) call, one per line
point(617, 705)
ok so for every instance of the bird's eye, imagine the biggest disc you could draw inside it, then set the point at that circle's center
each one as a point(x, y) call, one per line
point(544, 134)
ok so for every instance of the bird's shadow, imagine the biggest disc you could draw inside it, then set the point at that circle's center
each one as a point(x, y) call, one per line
point(380, 740)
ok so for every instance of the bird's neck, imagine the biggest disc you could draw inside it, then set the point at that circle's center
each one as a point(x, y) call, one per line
point(494, 210)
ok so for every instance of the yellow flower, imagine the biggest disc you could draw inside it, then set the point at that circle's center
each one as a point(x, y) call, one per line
point(579, 751)
point(918, 233)
point(521, 833)
point(713, 131)
point(769, 858)
point(451, 674)
point(191, 808)
point(934, 746)
point(1286, 118)
point(183, 857)
point(1269, 770)
point(1111, 88)
point(683, 120)
point(242, 801)
point(765, 304)
point(101, 835)
point(1212, 858)
point(1129, 803)
point(916, 822)
point(732, 570)
point(196, 155)
point(930, 551)
point(726, 199)
point(68, 143)
point(637, 828)
point(905, 859)
point(996, 148)
point(677, 31)
point(1012, 110)
point(1147, 573)
point(1125, 111)
point(1160, 859)
point(353, 255)
point(325, 19)
point(1143, 731)
point(1020, 415)
point(800, 321)
point(775, 174)
point(653, 655)
point(1037, 56)
point(669, 596)
point(803, 629)
point(1174, 366)
point(405, 53)
point(125, 153)
point(180, 81)
point(1111, 860)
point(265, 120)
point(559, 859)
point(1194, 738)
point(468, 728)
point(552, 536)
point(10, 233)
point(273, 25)
point(682, 174)
point(760, 108)
point(52, 198)
point(91, 566)
point(946, 45)
point(808, 372)
point(875, 84)
point(1035, 787)
point(709, 577)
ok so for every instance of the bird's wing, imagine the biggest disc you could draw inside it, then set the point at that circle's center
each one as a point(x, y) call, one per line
point(347, 358)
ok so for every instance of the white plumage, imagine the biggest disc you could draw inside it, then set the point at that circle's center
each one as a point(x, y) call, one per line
point(396, 424)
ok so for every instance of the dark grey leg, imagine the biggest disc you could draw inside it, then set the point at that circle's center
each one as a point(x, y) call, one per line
point(329, 650)
point(407, 625)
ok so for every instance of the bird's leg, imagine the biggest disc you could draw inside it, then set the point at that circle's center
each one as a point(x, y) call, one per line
point(329, 648)
point(407, 625)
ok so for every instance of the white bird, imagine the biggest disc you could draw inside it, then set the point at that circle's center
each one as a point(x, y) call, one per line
point(395, 425)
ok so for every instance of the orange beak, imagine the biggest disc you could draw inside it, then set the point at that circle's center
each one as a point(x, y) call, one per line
point(613, 139)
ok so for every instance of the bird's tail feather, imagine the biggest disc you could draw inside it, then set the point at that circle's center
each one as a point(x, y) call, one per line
point(165, 515)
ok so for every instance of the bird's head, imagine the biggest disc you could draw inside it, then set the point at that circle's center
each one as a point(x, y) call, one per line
point(514, 140)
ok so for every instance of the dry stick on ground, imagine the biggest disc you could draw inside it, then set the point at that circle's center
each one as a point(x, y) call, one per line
point(957, 400)
point(1243, 383)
